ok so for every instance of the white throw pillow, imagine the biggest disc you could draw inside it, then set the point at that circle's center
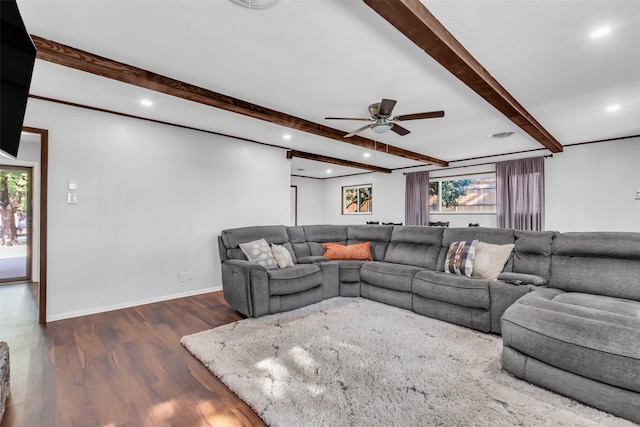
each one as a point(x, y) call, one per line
point(260, 252)
point(282, 256)
point(490, 259)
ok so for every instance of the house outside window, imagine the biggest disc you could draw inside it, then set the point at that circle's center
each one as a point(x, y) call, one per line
point(463, 194)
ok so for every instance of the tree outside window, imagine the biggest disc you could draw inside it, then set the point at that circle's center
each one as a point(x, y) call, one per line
point(357, 199)
point(13, 206)
point(469, 194)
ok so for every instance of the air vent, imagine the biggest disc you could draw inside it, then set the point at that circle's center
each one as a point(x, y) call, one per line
point(256, 4)
point(502, 135)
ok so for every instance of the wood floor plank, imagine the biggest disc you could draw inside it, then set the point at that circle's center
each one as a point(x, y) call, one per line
point(116, 369)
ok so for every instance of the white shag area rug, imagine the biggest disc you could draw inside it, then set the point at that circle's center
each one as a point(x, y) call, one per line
point(356, 362)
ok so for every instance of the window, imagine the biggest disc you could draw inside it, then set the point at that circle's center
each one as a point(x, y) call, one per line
point(469, 194)
point(357, 199)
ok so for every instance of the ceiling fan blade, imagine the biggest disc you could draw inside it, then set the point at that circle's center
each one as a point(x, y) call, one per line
point(399, 129)
point(417, 116)
point(386, 107)
point(346, 118)
point(357, 131)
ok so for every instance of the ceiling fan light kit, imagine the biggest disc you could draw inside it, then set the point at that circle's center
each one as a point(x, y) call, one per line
point(380, 116)
point(382, 127)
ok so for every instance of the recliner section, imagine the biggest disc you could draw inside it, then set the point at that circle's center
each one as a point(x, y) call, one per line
point(581, 336)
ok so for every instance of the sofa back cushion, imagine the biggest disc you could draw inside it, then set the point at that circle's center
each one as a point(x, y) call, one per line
point(232, 238)
point(378, 235)
point(414, 245)
point(298, 241)
point(604, 263)
point(307, 240)
point(532, 253)
point(497, 236)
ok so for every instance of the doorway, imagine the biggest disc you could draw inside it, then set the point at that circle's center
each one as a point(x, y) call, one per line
point(16, 217)
point(34, 154)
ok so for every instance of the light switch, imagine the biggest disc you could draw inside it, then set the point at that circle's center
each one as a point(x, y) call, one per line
point(72, 185)
point(72, 198)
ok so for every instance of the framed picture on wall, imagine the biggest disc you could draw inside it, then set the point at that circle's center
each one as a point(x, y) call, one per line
point(357, 199)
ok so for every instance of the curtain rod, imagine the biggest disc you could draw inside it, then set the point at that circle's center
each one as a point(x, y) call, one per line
point(548, 156)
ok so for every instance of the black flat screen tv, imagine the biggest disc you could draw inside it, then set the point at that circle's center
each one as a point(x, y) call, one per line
point(17, 57)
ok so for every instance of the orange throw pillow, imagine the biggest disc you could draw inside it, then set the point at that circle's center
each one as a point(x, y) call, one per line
point(359, 252)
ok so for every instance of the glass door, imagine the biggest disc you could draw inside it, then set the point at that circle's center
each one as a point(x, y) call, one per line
point(15, 223)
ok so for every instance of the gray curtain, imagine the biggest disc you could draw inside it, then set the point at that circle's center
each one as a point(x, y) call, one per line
point(520, 194)
point(416, 202)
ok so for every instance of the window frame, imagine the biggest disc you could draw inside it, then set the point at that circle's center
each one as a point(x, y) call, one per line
point(357, 188)
point(441, 179)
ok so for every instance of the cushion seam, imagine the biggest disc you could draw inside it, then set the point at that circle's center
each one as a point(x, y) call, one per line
point(453, 286)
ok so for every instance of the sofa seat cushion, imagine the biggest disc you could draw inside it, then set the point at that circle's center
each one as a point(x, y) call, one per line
point(397, 277)
point(600, 302)
point(454, 289)
point(291, 280)
point(593, 336)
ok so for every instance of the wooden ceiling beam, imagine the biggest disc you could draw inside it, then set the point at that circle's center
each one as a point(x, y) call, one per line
point(48, 50)
point(332, 160)
point(413, 20)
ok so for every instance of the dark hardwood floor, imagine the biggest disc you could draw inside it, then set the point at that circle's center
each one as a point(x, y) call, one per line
point(121, 368)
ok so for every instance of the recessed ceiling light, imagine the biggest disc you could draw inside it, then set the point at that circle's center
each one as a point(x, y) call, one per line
point(612, 108)
point(286, 136)
point(146, 102)
point(600, 32)
point(329, 171)
point(367, 154)
point(502, 135)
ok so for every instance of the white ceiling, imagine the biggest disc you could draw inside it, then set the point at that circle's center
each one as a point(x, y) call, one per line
point(318, 58)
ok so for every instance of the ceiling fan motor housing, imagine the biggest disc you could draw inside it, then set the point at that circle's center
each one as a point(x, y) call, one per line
point(374, 110)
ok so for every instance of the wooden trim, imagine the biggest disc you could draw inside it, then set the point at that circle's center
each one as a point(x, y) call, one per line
point(332, 160)
point(413, 20)
point(67, 56)
point(295, 214)
point(619, 138)
point(147, 119)
point(44, 174)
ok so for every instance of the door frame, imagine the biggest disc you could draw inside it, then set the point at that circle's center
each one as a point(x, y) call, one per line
point(29, 259)
point(44, 173)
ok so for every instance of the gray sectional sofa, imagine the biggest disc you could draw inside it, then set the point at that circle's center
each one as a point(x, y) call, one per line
point(570, 324)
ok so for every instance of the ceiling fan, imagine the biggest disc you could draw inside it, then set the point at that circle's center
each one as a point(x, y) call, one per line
point(382, 121)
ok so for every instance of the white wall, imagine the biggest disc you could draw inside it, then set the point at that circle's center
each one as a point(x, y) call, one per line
point(310, 200)
point(593, 187)
point(388, 198)
point(151, 201)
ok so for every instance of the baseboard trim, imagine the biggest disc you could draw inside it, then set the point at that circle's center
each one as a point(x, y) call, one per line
point(102, 309)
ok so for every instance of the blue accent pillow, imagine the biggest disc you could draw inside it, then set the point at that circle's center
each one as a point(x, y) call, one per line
point(460, 257)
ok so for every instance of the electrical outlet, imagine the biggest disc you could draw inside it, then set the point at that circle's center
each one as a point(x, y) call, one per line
point(183, 276)
point(190, 275)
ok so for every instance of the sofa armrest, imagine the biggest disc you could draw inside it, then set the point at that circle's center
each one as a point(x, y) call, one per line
point(503, 295)
point(245, 286)
point(522, 279)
